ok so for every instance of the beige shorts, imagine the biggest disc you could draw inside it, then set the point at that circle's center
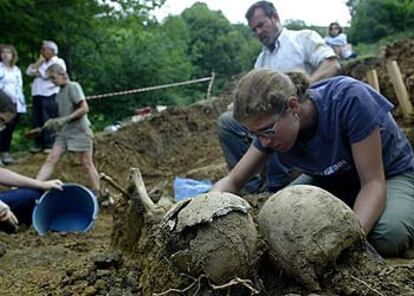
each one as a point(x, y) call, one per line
point(75, 142)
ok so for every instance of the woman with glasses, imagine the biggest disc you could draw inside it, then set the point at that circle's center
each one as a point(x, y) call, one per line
point(337, 39)
point(16, 205)
point(11, 82)
point(341, 135)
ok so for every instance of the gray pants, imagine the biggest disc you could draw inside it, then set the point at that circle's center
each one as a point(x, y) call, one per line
point(393, 234)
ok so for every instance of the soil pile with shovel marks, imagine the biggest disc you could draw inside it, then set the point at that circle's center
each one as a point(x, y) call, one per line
point(178, 141)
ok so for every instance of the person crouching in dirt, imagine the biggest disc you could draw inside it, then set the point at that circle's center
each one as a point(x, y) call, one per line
point(16, 206)
point(72, 127)
point(341, 135)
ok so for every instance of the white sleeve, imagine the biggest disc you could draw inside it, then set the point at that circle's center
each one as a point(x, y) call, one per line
point(339, 40)
point(31, 71)
point(20, 78)
point(316, 48)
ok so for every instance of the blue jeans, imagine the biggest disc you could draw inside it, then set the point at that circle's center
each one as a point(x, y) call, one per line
point(21, 202)
point(393, 234)
point(235, 141)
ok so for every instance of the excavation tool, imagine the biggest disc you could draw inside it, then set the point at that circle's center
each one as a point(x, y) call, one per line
point(34, 133)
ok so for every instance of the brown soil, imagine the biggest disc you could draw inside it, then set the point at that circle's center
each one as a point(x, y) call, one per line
point(176, 142)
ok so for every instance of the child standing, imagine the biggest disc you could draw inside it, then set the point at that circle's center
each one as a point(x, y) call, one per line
point(72, 127)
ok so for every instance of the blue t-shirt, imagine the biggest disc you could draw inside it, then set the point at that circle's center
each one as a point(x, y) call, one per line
point(348, 111)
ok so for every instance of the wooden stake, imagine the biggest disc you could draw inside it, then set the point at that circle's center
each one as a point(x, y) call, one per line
point(400, 88)
point(372, 79)
point(210, 85)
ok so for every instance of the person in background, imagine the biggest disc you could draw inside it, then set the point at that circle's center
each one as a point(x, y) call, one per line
point(341, 135)
point(72, 127)
point(283, 50)
point(11, 83)
point(16, 206)
point(43, 93)
point(337, 39)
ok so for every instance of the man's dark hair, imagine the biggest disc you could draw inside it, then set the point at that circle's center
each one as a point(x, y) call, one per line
point(268, 8)
point(6, 104)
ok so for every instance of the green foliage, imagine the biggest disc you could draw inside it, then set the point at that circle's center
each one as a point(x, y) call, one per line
point(374, 49)
point(375, 19)
point(112, 46)
point(216, 45)
point(352, 4)
point(301, 25)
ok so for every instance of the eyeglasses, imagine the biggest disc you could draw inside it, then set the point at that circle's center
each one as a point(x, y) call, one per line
point(270, 130)
point(334, 28)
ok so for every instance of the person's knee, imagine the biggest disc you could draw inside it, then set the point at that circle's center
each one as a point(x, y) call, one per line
point(87, 162)
point(53, 158)
point(224, 122)
point(390, 238)
point(22, 201)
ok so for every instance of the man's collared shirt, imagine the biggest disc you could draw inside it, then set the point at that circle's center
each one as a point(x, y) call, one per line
point(41, 85)
point(301, 50)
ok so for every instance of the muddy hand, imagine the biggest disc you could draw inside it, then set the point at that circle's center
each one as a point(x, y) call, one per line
point(56, 123)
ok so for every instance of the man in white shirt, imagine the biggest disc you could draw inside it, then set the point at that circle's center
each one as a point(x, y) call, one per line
point(43, 93)
point(283, 50)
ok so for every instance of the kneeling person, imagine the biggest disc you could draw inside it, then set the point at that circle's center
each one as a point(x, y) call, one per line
point(16, 206)
point(72, 126)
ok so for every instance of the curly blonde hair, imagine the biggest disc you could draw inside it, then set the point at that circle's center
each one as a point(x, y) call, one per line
point(267, 91)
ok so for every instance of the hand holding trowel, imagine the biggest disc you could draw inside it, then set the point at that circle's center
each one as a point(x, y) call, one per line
point(52, 124)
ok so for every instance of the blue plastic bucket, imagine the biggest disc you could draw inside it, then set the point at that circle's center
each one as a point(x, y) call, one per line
point(74, 209)
point(186, 187)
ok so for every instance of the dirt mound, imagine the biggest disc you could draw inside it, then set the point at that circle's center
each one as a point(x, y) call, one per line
point(403, 53)
point(176, 142)
point(171, 143)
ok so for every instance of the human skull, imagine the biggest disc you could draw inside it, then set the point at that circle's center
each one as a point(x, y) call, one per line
point(212, 234)
point(306, 228)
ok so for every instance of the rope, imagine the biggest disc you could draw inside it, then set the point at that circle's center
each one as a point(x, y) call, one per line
point(138, 90)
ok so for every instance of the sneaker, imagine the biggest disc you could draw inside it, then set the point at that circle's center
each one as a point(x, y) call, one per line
point(47, 150)
point(35, 150)
point(7, 158)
